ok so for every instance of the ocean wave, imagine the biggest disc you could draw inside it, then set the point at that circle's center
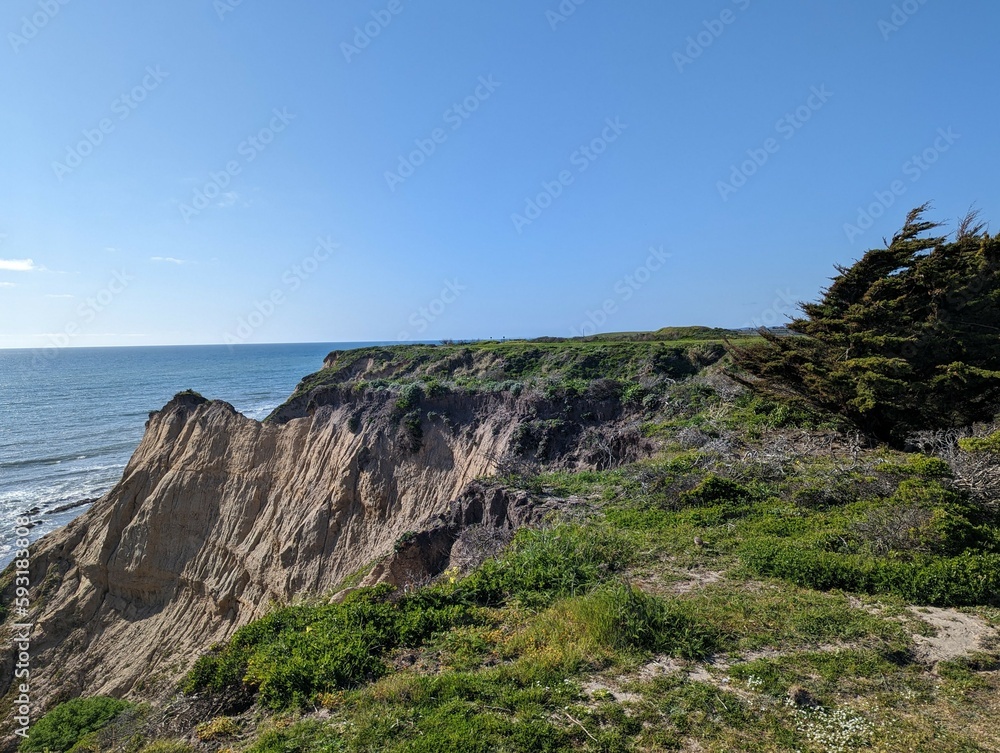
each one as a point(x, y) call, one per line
point(58, 477)
point(258, 412)
point(51, 494)
point(36, 462)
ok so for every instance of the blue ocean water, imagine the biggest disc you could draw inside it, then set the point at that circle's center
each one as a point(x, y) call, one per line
point(69, 421)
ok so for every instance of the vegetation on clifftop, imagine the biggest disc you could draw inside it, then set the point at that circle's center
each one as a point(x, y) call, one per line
point(633, 364)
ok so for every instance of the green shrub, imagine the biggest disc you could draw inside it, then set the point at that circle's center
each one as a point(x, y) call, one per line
point(623, 618)
point(409, 397)
point(920, 517)
point(536, 436)
point(925, 466)
point(715, 490)
point(62, 727)
point(413, 423)
point(220, 726)
point(965, 580)
point(295, 653)
point(633, 393)
point(989, 444)
point(566, 389)
point(292, 670)
point(434, 388)
point(543, 565)
point(755, 413)
point(404, 540)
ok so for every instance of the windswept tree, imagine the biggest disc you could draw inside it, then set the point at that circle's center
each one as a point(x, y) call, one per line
point(907, 338)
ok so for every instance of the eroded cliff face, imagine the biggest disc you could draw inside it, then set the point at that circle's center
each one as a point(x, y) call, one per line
point(217, 516)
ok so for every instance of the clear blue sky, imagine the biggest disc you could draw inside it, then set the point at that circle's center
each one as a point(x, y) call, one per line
point(834, 99)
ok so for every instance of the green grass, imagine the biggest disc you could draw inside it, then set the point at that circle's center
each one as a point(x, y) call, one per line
point(70, 722)
point(167, 746)
point(828, 673)
point(566, 483)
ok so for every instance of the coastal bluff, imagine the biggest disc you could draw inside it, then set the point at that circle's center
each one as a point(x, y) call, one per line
point(368, 473)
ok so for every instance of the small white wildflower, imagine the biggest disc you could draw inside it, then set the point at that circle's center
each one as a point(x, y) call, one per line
point(840, 731)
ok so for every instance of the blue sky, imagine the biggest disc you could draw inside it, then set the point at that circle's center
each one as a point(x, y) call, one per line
point(206, 171)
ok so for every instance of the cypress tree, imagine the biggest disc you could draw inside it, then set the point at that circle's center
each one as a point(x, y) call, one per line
point(907, 338)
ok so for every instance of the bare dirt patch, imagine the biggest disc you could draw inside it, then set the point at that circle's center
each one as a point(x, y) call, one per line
point(695, 579)
point(958, 634)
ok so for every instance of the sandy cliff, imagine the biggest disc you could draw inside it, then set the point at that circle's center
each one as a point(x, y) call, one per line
point(217, 516)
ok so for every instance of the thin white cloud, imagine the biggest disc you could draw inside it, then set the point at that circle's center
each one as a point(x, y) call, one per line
point(59, 295)
point(167, 260)
point(8, 284)
point(18, 265)
point(228, 199)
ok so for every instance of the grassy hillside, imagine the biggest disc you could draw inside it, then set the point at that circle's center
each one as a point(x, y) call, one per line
point(766, 583)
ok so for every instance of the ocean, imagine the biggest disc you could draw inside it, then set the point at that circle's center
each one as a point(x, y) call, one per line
point(71, 418)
